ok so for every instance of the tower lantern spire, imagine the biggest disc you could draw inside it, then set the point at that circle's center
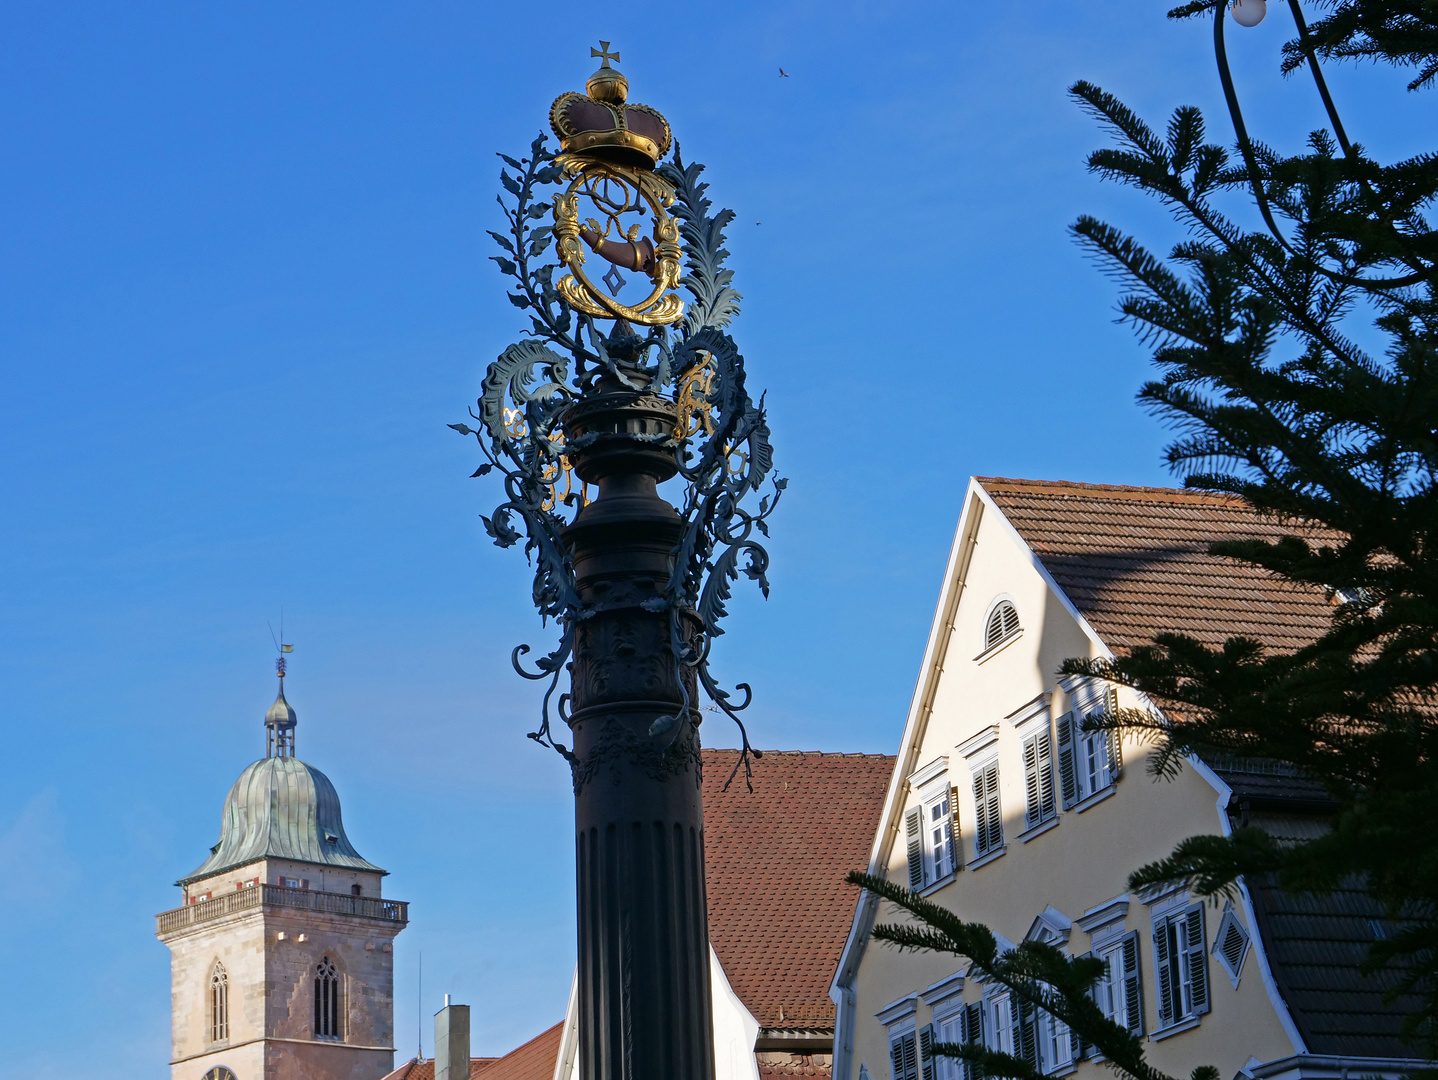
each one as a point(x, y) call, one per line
point(280, 720)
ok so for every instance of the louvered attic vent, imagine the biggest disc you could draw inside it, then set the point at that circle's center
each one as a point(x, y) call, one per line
point(1003, 621)
point(1231, 947)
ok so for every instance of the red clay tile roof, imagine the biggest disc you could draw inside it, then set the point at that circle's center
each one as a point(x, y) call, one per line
point(423, 1068)
point(533, 1061)
point(1135, 562)
point(779, 909)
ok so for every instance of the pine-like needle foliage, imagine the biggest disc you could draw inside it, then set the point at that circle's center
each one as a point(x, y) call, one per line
point(1037, 974)
point(1299, 366)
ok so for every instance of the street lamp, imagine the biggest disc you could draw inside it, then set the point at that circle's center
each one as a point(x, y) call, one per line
point(1250, 13)
point(613, 392)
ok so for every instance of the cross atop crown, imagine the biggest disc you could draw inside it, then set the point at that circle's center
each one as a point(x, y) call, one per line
point(604, 53)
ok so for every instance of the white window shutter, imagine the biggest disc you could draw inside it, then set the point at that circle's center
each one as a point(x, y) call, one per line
point(1195, 946)
point(1026, 1043)
point(1068, 774)
point(1115, 743)
point(1032, 815)
point(1168, 988)
point(981, 815)
point(994, 822)
point(913, 827)
point(973, 1034)
point(956, 851)
point(1132, 988)
point(1047, 808)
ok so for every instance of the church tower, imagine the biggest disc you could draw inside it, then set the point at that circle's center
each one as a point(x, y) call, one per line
point(282, 951)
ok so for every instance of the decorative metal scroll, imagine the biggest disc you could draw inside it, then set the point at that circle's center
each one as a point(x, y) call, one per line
point(721, 443)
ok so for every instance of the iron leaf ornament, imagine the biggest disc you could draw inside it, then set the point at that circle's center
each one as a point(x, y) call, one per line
point(721, 442)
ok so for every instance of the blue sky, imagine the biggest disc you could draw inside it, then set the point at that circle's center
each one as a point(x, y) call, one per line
point(243, 288)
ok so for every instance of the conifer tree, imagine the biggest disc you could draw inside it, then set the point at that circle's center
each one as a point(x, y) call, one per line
point(1296, 335)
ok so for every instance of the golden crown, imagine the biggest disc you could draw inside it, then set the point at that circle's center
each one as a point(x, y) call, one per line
point(600, 125)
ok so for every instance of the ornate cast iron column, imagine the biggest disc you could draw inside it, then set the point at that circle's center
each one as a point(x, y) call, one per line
point(637, 390)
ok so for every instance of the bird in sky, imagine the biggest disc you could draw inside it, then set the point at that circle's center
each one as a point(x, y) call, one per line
point(783, 74)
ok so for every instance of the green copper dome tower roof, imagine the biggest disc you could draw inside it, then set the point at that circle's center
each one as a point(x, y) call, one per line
point(281, 808)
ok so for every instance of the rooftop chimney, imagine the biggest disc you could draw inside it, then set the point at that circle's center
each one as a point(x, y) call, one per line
point(451, 1042)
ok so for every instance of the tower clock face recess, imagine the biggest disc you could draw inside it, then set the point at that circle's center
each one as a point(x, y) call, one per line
point(219, 1072)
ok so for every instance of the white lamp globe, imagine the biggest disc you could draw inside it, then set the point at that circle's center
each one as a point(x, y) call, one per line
point(1248, 12)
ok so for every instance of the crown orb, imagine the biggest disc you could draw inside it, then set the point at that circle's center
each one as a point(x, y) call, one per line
point(609, 86)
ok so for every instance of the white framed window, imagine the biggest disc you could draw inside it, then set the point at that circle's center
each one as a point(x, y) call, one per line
point(1180, 954)
point(988, 814)
point(1001, 623)
point(998, 1022)
point(1089, 761)
point(1119, 991)
point(939, 835)
point(946, 998)
point(1043, 1040)
point(931, 827)
point(949, 1028)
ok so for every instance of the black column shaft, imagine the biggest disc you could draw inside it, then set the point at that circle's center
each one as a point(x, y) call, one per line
point(644, 996)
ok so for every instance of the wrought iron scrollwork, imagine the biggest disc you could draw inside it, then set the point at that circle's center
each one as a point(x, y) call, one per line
point(721, 442)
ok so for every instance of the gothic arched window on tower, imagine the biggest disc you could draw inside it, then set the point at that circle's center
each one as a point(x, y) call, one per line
point(219, 1004)
point(327, 1000)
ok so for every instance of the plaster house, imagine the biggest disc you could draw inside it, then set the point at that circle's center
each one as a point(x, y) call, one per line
point(1002, 809)
point(779, 912)
point(281, 951)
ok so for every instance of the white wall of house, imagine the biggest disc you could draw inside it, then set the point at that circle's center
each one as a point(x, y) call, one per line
point(974, 707)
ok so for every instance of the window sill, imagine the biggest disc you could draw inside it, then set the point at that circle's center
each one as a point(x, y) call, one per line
point(1039, 829)
point(1094, 799)
point(930, 889)
point(1175, 1029)
point(999, 646)
point(984, 860)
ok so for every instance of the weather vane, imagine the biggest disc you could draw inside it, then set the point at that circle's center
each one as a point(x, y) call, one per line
point(609, 151)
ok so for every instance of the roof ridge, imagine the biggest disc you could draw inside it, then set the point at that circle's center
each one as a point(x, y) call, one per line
point(802, 753)
point(1132, 491)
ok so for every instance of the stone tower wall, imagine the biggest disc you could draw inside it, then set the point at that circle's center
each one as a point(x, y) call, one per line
point(270, 955)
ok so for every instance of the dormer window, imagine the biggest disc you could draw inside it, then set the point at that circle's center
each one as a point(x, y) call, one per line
point(1002, 623)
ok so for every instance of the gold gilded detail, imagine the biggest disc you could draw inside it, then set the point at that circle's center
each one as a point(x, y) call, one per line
point(615, 191)
point(553, 472)
point(696, 414)
point(610, 148)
